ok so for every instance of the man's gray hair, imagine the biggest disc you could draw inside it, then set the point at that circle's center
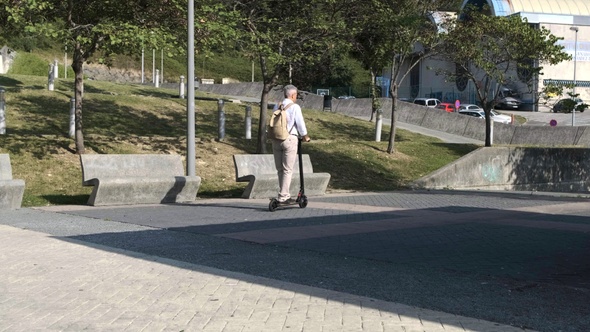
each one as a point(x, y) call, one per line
point(289, 89)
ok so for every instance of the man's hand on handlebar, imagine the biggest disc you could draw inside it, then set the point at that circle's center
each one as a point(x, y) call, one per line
point(306, 138)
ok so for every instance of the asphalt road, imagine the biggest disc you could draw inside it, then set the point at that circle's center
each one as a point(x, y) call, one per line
point(544, 117)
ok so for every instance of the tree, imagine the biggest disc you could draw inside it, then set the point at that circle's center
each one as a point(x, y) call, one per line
point(415, 37)
point(406, 36)
point(331, 70)
point(490, 50)
point(552, 96)
point(369, 45)
point(283, 35)
point(101, 28)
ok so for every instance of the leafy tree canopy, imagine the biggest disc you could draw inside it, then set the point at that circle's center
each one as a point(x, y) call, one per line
point(490, 50)
point(115, 27)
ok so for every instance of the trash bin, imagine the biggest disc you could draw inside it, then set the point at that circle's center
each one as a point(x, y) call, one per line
point(327, 102)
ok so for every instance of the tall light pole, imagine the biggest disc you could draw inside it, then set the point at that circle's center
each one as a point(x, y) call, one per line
point(190, 98)
point(142, 66)
point(575, 29)
point(154, 66)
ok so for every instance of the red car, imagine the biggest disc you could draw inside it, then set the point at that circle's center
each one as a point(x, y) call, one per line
point(446, 107)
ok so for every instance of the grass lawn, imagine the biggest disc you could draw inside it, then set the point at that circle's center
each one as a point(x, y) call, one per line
point(130, 118)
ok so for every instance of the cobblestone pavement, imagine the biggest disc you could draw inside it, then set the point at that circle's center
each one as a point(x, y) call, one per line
point(402, 261)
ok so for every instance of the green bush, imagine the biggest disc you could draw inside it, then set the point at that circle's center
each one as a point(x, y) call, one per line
point(29, 64)
point(33, 64)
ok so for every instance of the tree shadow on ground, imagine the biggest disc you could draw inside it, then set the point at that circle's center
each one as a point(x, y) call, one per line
point(163, 93)
point(66, 199)
point(107, 118)
point(457, 149)
point(349, 173)
point(38, 146)
point(9, 82)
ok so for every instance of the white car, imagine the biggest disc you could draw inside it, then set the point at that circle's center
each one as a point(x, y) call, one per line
point(478, 112)
point(428, 102)
point(469, 107)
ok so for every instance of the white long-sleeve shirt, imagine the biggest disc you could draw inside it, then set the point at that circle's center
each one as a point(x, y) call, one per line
point(294, 116)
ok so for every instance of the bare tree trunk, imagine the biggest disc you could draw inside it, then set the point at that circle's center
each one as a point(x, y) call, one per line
point(375, 105)
point(269, 82)
point(393, 93)
point(78, 67)
point(261, 147)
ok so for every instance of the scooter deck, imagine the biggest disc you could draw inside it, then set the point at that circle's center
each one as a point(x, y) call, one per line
point(275, 204)
point(288, 202)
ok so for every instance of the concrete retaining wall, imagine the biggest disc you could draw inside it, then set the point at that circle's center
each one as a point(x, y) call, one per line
point(425, 117)
point(508, 168)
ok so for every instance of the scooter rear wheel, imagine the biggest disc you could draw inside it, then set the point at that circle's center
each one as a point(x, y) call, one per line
point(272, 206)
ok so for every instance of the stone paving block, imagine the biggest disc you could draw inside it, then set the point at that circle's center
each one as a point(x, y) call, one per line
point(233, 327)
point(259, 316)
point(275, 321)
point(118, 289)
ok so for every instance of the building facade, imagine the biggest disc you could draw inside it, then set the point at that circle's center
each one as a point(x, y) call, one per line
point(569, 19)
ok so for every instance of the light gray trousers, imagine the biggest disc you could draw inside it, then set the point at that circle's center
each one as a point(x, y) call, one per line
point(285, 153)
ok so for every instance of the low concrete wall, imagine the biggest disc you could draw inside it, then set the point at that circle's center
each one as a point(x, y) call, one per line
point(425, 117)
point(497, 168)
point(311, 101)
point(11, 190)
point(352, 107)
point(254, 90)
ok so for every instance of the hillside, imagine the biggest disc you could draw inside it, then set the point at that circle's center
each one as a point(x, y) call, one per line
point(350, 77)
point(131, 118)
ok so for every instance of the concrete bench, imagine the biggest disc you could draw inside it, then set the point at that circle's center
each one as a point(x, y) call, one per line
point(11, 190)
point(259, 170)
point(120, 179)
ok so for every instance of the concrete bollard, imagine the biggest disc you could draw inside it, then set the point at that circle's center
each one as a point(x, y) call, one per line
point(72, 131)
point(157, 80)
point(181, 88)
point(2, 111)
point(51, 78)
point(248, 122)
point(221, 120)
point(55, 69)
point(491, 132)
point(378, 125)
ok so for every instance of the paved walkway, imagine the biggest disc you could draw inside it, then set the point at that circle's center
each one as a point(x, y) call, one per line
point(403, 261)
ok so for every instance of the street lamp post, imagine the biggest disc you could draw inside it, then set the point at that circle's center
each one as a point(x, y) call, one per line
point(575, 29)
point(190, 98)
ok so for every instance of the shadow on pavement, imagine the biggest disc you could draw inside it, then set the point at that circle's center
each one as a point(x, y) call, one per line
point(526, 269)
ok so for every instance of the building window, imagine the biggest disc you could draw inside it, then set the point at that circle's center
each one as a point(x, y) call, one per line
point(415, 81)
point(461, 80)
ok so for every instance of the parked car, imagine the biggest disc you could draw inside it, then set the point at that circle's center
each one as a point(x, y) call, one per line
point(508, 99)
point(479, 113)
point(429, 102)
point(469, 107)
point(499, 117)
point(346, 97)
point(448, 107)
point(475, 114)
point(566, 105)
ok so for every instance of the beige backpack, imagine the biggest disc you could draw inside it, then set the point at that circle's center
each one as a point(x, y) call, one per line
point(277, 126)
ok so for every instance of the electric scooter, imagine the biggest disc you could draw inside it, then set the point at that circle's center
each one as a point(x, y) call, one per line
point(301, 198)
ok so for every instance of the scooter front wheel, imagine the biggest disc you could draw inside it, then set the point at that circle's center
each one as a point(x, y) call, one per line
point(303, 202)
